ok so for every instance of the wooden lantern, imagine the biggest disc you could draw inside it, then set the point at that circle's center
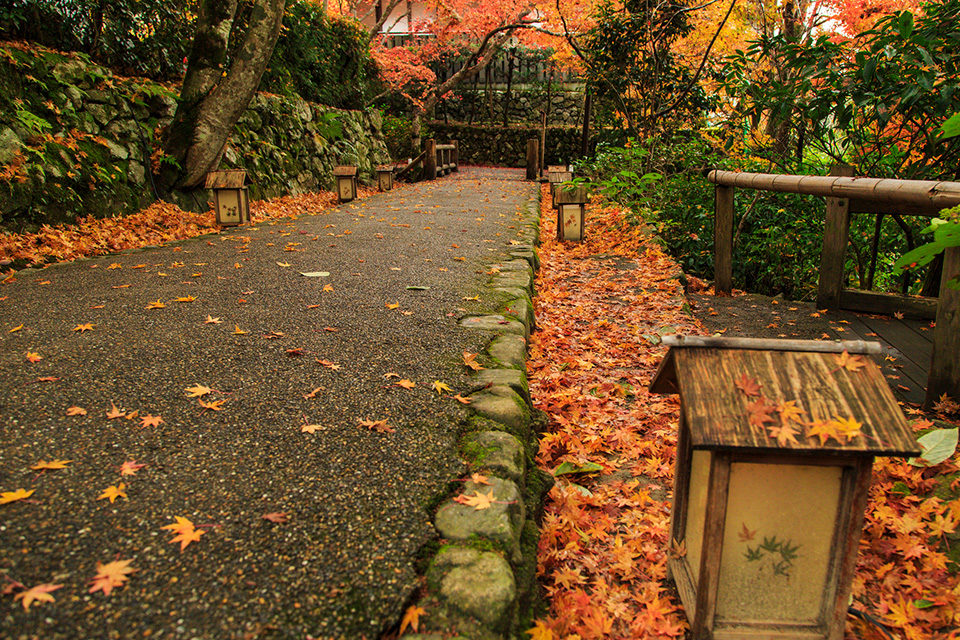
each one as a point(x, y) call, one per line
point(231, 200)
point(385, 177)
point(765, 522)
point(571, 202)
point(346, 182)
point(555, 176)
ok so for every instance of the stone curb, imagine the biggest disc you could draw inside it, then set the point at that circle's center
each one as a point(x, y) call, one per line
point(481, 585)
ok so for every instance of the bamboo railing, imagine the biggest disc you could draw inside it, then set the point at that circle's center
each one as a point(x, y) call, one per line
point(437, 160)
point(848, 195)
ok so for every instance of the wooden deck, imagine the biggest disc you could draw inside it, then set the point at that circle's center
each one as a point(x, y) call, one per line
point(907, 344)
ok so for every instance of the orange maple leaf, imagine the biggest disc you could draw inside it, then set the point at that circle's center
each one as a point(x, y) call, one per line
point(789, 412)
point(155, 305)
point(215, 405)
point(38, 594)
point(849, 362)
point(310, 428)
point(785, 434)
point(746, 534)
point(110, 576)
point(759, 412)
point(470, 360)
point(406, 384)
point(32, 356)
point(842, 430)
point(184, 531)
point(151, 421)
point(113, 492)
point(197, 391)
point(411, 619)
point(76, 411)
point(459, 398)
point(747, 385)
point(115, 412)
point(277, 517)
point(211, 320)
point(84, 327)
point(540, 631)
point(380, 426)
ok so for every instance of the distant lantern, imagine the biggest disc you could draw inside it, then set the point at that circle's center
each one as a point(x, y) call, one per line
point(775, 445)
point(555, 176)
point(346, 182)
point(385, 177)
point(231, 201)
point(571, 202)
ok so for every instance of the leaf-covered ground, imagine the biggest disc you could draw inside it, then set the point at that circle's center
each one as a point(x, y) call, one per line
point(601, 308)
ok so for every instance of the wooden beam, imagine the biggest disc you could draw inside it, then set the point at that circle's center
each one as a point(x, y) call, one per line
point(918, 192)
point(723, 240)
point(836, 230)
point(890, 208)
point(430, 160)
point(888, 304)
point(533, 162)
point(945, 364)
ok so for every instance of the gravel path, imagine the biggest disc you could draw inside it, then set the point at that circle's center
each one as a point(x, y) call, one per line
point(356, 501)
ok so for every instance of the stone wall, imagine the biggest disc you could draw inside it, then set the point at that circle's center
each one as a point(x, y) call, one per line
point(507, 146)
point(524, 106)
point(76, 140)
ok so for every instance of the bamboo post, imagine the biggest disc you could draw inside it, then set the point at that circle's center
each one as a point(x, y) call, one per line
point(836, 230)
point(430, 160)
point(456, 155)
point(532, 161)
point(723, 240)
point(945, 363)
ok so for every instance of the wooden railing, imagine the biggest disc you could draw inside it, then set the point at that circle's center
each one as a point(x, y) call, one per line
point(437, 160)
point(847, 195)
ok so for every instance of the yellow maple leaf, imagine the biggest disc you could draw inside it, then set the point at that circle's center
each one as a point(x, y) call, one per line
point(440, 387)
point(197, 391)
point(33, 356)
point(540, 631)
point(113, 492)
point(186, 299)
point(216, 405)
point(51, 466)
point(7, 497)
point(470, 360)
point(110, 576)
point(310, 428)
point(411, 619)
point(155, 305)
point(393, 305)
point(84, 327)
point(239, 332)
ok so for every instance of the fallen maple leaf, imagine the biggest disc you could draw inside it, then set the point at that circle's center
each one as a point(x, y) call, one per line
point(185, 299)
point(110, 576)
point(76, 411)
point(310, 428)
point(849, 362)
point(393, 305)
point(155, 305)
point(406, 384)
point(747, 385)
point(114, 412)
point(16, 328)
point(678, 549)
point(790, 412)
point(759, 412)
point(197, 391)
point(273, 335)
point(283, 264)
point(216, 405)
point(313, 394)
point(478, 501)
point(440, 387)
point(842, 430)
point(130, 468)
point(184, 531)
point(238, 331)
point(113, 492)
point(151, 421)
point(411, 619)
point(51, 466)
point(32, 356)
point(295, 352)
point(39, 593)
point(279, 517)
point(211, 320)
point(7, 497)
point(380, 426)
point(459, 398)
point(785, 433)
point(540, 631)
point(329, 365)
point(479, 478)
point(470, 360)
point(84, 327)
point(328, 287)
point(47, 379)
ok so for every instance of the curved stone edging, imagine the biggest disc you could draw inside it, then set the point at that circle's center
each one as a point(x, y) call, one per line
point(482, 583)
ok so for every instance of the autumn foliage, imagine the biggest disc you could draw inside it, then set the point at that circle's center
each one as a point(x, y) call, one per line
point(601, 308)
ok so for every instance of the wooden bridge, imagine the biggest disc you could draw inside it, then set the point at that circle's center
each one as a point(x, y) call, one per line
point(928, 353)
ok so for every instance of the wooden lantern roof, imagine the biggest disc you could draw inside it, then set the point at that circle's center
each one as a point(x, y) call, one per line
point(710, 375)
point(348, 171)
point(385, 168)
point(231, 179)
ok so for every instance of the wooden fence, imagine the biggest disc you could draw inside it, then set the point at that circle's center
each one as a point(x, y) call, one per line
point(845, 196)
point(437, 160)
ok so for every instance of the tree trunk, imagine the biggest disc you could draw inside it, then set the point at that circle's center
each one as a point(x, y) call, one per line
point(213, 98)
point(585, 133)
point(415, 127)
point(506, 94)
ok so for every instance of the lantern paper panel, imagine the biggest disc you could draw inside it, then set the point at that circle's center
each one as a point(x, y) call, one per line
point(571, 220)
point(229, 206)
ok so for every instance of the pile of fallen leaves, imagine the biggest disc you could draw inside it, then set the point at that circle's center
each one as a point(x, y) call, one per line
point(159, 223)
point(601, 308)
